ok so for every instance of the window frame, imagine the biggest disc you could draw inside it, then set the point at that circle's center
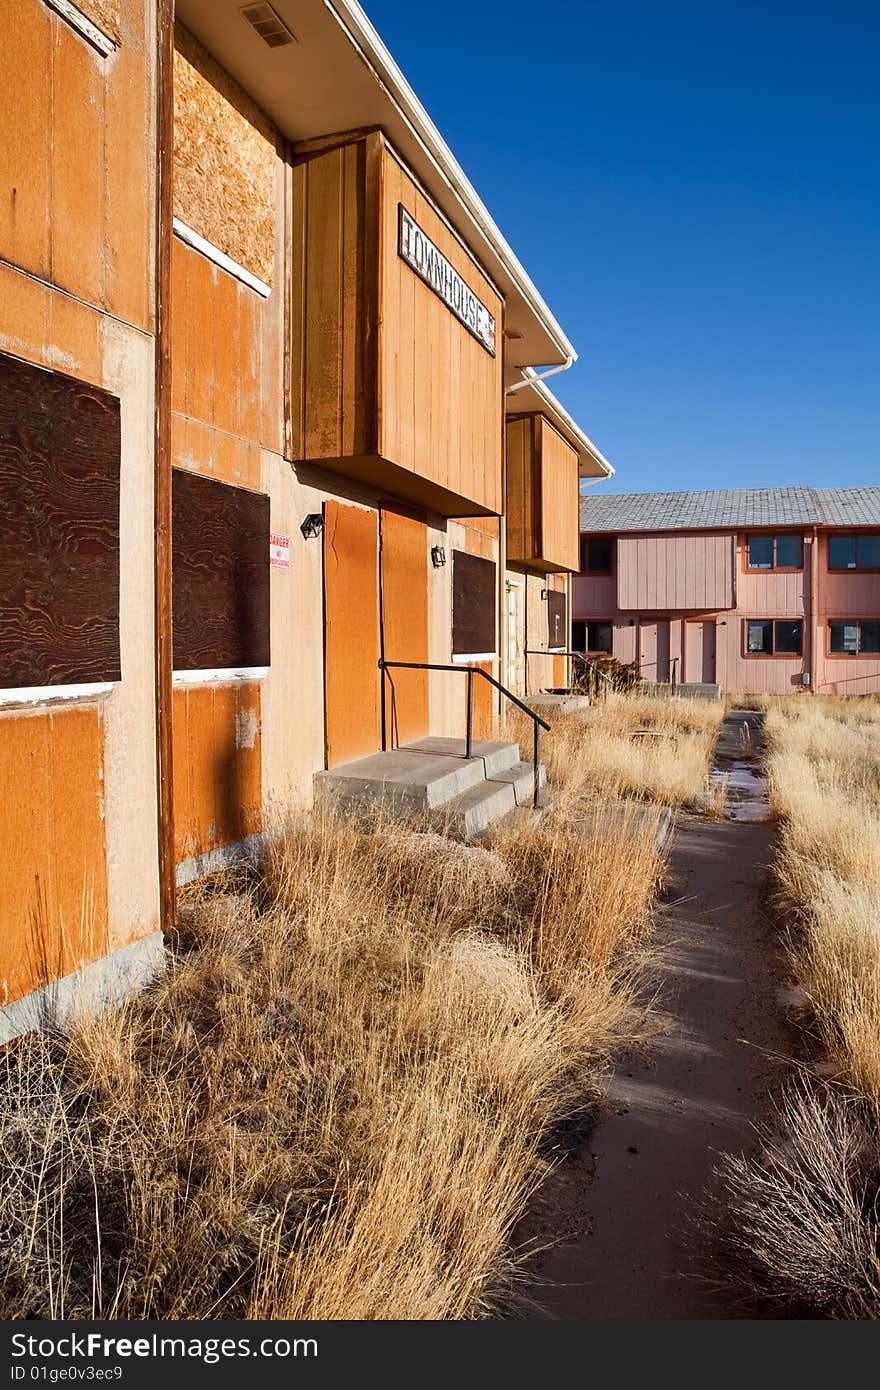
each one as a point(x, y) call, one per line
point(586, 542)
point(774, 655)
point(849, 656)
point(857, 568)
point(773, 536)
point(598, 651)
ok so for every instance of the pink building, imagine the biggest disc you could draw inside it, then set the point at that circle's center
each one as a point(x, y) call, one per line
point(757, 590)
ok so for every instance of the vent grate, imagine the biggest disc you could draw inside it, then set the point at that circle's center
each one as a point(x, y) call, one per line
point(270, 27)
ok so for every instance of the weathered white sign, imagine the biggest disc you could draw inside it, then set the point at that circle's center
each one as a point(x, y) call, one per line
point(279, 551)
point(421, 255)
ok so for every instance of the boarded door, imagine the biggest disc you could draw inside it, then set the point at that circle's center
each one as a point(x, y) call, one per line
point(663, 650)
point(351, 632)
point(648, 651)
point(405, 622)
point(700, 650)
point(514, 665)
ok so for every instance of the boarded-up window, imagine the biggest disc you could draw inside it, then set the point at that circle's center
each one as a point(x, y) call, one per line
point(555, 619)
point(59, 529)
point(220, 592)
point(224, 160)
point(474, 597)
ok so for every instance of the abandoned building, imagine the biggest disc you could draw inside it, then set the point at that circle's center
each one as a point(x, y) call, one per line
point(271, 415)
point(763, 591)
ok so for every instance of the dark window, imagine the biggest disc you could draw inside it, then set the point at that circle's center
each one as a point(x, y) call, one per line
point(788, 638)
point(474, 599)
point(775, 552)
point(59, 529)
point(855, 639)
point(578, 636)
point(555, 618)
point(596, 557)
point(774, 637)
point(855, 552)
point(599, 637)
point(759, 639)
point(220, 574)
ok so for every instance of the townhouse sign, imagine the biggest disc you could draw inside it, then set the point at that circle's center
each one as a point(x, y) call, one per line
point(418, 250)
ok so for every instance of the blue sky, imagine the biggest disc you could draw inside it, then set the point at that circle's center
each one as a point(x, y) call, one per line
point(695, 190)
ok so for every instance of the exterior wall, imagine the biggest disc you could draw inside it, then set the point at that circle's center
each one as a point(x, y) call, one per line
point(640, 634)
point(76, 249)
point(541, 495)
point(662, 573)
point(535, 670)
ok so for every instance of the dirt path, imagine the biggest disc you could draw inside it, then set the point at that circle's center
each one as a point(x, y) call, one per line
point(705, 1083)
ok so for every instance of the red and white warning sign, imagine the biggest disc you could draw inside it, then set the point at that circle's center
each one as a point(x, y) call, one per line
point(279, 551)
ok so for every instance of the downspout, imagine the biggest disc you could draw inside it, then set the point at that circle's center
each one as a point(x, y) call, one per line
point(814, 609)
point(538, 376)
point(162, 460)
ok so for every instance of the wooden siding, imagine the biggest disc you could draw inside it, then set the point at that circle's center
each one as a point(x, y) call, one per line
point(386, 385)
point(351, 632)
point(659, 573)
point(76, 166)
point(542, 496)
point(53, 890)
point(217, 766)
point(404, 560)
point(220, 563)
point(59, 529)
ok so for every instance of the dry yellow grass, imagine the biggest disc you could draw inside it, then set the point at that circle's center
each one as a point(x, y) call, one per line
point(337, 1100)
point(635, 746)
point(808, 1207)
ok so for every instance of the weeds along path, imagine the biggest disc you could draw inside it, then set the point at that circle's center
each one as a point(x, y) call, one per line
point(705, 1082)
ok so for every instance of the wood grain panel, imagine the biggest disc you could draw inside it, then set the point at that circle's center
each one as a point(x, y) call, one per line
point(220, 560)
point(474, 600)
point(59, 528)
point(404, 558)
point(560, 500)
point(351, 632)
point(25, 140)
point(556, 625)
point(217, 757)
point(53, 890)
point(78, 121)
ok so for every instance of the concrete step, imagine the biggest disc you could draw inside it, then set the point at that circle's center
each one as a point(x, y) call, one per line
point(690, 690)
point(420, 776)
point(471, 813)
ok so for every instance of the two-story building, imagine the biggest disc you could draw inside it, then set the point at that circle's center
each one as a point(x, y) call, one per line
point(757, 590)
point(259, 343)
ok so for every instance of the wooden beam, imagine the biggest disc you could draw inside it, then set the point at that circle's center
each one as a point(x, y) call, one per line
point(163, 456)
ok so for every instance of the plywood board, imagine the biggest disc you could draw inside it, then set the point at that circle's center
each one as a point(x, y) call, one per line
point(225, 152)
point(474, 601)
point(351, 632)
point(59, 528)
point(405, 622)
point(220, 562)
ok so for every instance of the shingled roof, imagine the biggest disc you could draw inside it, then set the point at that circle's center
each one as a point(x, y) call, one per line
point(732, 508)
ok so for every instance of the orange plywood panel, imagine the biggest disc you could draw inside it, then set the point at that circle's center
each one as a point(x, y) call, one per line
point(26, 940)
point(75, 336)
point(79, 860)
point(484, 702)
point(200, 279)
point(560, 500)
point(25, 136)
point(351, 632)
point(227, 347)
point(405, 622)
point(77, 167)
point(227, 791)
point(559, 671)
point(250, 759)
point(251, 365)
point(181, 761)
point(179, 317)
point(24, 315)
point(130, 182)
point(202, 776)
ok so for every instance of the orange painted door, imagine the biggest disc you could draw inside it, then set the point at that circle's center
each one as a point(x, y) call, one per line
point(405, 622)
point(351, 633)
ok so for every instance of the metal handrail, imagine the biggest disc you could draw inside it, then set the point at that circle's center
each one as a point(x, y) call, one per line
point(470, 672)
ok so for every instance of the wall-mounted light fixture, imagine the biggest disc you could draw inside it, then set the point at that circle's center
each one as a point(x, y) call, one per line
point(312, 526)
point(544, 594)
point(438, 557)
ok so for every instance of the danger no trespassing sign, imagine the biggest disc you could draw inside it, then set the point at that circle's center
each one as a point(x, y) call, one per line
point(279, 551)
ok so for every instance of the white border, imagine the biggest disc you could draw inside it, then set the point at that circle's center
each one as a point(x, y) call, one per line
point(228, 673)
point(462, 658)
point(207, 248)
point(38, 694)
point(84, 27)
